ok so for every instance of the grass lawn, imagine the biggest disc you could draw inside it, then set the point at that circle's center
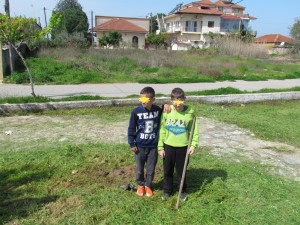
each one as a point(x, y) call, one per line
point(76, 66)
point(80, 184)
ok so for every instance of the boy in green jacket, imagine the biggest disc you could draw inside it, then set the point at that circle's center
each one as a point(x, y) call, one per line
point(175, 128)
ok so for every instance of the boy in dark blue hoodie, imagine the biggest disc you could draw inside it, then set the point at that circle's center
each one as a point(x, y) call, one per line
point(143, 133)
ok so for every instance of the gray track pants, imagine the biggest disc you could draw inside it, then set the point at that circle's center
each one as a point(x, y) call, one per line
point(148, 157)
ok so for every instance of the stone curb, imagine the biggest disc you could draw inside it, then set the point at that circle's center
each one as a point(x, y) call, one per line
point(212, 99)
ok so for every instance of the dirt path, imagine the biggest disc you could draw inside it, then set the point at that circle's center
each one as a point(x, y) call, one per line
point(222, 140)
point(227, 140)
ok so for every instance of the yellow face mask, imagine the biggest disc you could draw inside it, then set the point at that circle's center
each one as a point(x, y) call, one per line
point(144, 99)
point(178, 102)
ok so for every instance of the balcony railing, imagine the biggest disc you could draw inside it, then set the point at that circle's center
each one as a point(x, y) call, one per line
point(184, 29)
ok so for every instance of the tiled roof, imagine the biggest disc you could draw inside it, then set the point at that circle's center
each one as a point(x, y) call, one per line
point(208, 7)
point(199, 10)
point(248, 16)
point(273, 38)
point(230, 17)
point(204, 3)
point(221, 3)
point(119, 24)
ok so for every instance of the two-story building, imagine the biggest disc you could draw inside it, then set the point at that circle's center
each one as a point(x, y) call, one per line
point(190, 25)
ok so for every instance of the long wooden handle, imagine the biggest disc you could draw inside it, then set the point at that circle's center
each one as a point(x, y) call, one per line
point(185, 162)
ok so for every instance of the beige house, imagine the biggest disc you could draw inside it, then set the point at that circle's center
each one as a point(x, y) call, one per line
point(275, 43)
point(269, 41)
point(134, 30)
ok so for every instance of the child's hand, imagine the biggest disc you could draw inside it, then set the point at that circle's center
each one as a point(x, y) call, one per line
point(167, 108)
point(161, 153)
point(191, 151)
point(134, 149)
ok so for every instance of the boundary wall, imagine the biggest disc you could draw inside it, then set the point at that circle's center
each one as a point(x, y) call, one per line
point(211, 99)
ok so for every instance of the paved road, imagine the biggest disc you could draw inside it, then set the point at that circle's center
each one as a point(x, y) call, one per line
point(125, 89)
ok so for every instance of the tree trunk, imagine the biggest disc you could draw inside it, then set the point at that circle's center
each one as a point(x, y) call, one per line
point(11, 61)
point(27, 68)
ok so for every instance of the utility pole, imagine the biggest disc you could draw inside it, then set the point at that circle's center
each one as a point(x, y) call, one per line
point(7, 11)
point(150, 22)
point(92, 32)
point(46, 21)
point(11, 61)
point(1, 65)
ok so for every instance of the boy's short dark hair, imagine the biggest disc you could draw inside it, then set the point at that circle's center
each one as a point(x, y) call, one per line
point(177, 93)
point(148, 90)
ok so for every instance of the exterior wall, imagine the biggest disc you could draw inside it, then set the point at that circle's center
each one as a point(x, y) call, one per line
point(217, 24)
point(189, 37)
point(273, 49)
point(101, 20)
point(178, 23)
point(180, 47)
point(126, 38)
point(143, 23)
point(280, 50)
point(267, 46)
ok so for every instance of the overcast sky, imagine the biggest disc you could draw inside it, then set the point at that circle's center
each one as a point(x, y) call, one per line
point(273, 16)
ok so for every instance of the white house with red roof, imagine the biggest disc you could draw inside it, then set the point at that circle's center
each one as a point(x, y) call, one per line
point(190, 25)
point(133, 30)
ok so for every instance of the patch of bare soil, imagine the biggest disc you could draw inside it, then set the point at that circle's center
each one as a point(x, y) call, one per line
point(227, 140)
point(223, 140)
point(25, 132)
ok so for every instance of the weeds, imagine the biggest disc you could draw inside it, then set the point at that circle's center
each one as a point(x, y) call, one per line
point(74, 66)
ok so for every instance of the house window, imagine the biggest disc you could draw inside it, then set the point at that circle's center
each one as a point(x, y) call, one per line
point(191, 26)
point(177, 24)
point(227, 10)
point(236, 11)
point(211, 23)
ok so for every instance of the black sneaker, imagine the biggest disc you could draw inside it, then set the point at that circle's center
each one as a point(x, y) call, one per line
point(165, 196)
point(184, 196)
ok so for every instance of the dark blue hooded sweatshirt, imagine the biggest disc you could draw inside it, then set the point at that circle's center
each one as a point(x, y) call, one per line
point(143, 127)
